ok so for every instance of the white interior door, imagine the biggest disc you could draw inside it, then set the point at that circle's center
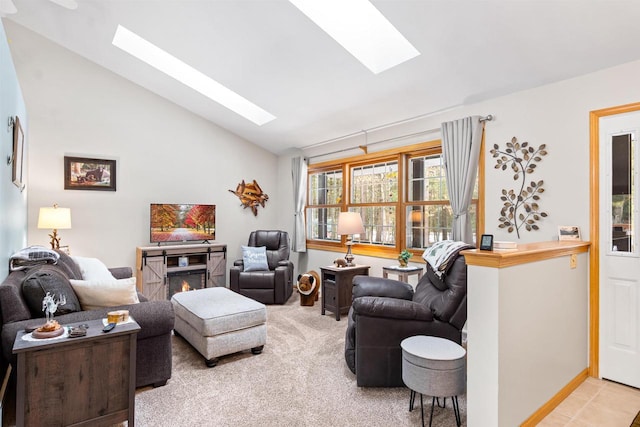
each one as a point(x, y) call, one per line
point(619, 249)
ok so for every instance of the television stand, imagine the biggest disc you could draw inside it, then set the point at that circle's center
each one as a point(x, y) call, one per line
point(154, 265)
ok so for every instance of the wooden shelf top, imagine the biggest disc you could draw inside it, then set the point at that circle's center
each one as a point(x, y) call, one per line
point(353, 267)
point(524, 253)
point(177, 246)
point(94, 332)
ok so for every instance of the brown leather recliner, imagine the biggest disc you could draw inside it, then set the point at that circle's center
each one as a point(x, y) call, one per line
point(385, 311)
point(273, 286)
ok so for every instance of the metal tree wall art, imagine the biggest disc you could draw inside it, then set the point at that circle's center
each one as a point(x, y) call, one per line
point(521, 208)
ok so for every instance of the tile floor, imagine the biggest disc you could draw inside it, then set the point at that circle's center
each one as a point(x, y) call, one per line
point(598, 403)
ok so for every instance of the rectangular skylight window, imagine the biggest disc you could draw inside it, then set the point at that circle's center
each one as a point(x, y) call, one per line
point(362, 30)
point(147, 52)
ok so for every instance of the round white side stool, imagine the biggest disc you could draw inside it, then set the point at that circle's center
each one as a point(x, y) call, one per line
point(434, 367)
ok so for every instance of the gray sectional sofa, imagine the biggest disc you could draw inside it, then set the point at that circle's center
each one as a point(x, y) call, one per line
point(156, 319)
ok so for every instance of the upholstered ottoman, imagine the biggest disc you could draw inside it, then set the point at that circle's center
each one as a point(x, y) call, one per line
point(218, 321)
point(436, 367)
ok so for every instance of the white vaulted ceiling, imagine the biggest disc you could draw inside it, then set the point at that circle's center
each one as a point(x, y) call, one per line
point(270, 53)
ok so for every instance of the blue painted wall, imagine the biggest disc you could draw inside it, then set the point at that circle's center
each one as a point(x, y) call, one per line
point(13, 202)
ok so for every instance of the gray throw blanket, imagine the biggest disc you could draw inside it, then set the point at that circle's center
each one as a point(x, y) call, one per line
point(31, 256)
point(440, 254)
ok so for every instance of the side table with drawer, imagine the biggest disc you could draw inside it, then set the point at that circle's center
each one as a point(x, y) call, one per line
point(337, 287)
point(77, 381)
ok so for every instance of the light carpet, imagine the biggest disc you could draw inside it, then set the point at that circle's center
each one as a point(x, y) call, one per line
point(300, 379)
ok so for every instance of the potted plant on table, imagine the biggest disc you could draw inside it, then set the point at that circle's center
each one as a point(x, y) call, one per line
point(404, 257)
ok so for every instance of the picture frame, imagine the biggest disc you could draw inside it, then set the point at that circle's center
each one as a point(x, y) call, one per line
point(17, 157)
point(84, 173)
point(486, 242)
point(569, 233)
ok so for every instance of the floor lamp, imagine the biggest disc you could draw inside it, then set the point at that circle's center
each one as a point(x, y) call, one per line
point(349, 223)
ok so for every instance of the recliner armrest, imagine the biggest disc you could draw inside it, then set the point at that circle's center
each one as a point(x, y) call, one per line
point(381, 287)
point(285, 263)
point(392, 308)
point(239, 263)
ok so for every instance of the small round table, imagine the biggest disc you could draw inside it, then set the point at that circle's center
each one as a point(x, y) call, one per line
point(402, 272)
point(436, 367)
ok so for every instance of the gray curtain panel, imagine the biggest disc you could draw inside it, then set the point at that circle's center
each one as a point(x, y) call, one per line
point(461, 141)
point(299, 176)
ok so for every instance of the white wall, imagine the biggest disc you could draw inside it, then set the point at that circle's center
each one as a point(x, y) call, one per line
point(527, 337)
point(164, 154)
point(13, 203)
point(543, 333)
point(556, 115)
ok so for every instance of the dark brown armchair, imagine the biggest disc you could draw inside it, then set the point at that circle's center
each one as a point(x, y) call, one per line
point(270, 286)
point(385, 311)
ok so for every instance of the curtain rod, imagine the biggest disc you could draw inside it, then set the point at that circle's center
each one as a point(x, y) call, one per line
point(487, 118)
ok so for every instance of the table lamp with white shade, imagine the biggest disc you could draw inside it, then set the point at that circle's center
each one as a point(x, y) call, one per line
point(349, 223)
point(56, 219)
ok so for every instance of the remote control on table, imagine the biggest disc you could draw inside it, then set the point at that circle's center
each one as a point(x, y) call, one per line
point(77, 331)
point(109, 327)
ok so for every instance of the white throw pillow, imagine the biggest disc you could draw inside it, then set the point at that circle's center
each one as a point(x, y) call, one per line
point(254, 258)
point(95, 294)
point(92, 268)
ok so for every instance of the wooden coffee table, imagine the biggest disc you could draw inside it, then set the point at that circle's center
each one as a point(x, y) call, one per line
point(89, 380)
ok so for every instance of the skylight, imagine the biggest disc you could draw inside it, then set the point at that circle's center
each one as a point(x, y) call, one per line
point(362, 30)
point(147, 52)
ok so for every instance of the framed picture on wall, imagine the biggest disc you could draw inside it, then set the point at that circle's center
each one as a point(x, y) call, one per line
point(82, 173)
point(568, 232)
point(17, 174)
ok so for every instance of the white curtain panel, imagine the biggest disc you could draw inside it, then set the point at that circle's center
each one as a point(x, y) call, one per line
point(461, 141)
point(299, 176)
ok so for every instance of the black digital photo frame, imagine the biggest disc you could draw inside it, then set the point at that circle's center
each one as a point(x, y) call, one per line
point(486, 242)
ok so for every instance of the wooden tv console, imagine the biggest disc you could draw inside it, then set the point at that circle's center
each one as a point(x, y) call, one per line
point(155, 263)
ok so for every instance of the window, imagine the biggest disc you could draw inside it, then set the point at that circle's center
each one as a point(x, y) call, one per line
point(401, 195)
point(429, 217)
point(374, 194)
point(622, 193)
point(324, 204)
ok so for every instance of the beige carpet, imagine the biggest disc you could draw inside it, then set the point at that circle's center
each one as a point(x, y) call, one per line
point(300, 379)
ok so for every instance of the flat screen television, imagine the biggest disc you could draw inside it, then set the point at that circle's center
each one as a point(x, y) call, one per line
point(182, 223)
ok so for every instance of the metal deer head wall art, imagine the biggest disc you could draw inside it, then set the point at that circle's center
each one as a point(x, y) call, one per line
point(520, 205)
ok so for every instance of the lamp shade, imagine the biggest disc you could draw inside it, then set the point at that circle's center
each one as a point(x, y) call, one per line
point(54, 218)
point(416, 216)
point(350, 223)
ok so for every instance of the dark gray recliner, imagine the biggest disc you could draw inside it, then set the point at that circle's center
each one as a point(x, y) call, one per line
point(273, 286)
point(385, 311)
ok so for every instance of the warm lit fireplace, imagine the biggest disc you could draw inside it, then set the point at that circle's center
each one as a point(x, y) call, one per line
point(182, 281)
point(185, 286)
